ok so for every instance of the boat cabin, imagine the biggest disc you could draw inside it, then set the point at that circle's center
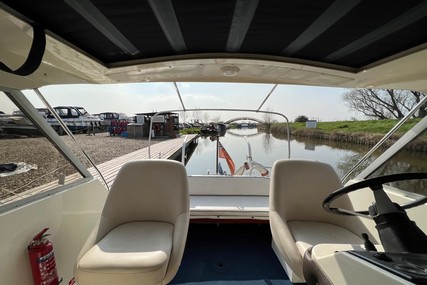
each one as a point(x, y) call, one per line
point(75, 118)
point(162, 125)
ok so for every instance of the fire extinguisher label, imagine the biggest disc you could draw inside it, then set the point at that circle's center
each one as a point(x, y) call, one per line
point(46, 258)
point(47, 268)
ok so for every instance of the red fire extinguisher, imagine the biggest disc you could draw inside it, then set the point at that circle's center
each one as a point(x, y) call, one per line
point(42, 260)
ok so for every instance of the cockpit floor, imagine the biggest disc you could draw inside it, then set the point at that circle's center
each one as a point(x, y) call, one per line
point(232, 254)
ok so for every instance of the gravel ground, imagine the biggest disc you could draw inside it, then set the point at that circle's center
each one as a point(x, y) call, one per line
point(39, 153)
point(103, 147)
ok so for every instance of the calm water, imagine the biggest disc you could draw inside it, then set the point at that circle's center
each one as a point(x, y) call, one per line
point(266, 149)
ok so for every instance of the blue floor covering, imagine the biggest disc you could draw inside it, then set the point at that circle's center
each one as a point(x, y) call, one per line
point(230, 254)
point(241, 282)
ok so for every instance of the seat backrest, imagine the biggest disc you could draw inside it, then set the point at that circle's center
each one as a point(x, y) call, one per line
point(146, 190)
point(298, 188)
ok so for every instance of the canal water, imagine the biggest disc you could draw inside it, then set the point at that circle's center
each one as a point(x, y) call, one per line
point(265, 149)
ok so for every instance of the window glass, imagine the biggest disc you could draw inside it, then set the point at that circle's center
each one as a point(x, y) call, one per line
point(61, 112)
point(411, 159)
point(74, 113)
point(29, 162)
point(82, 111)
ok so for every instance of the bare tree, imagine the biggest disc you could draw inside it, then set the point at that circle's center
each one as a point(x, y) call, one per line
point(206, 117)
point(267, 117)
point(423, 110)
point(384, 104)
point(197, 116)
point(184, 116)
point(216, 119)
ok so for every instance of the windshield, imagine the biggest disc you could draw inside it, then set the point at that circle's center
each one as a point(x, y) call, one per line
point(82, 111)
point(323, 125)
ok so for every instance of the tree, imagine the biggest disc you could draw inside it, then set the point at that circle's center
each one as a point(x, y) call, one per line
point(384, 103)
point(206, 117)
point(301, 119)
point(184, 116)
point(216, 119)
point(267, 118)
point(197, 116)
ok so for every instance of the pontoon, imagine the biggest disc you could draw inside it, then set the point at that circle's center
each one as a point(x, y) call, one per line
point(303, 224)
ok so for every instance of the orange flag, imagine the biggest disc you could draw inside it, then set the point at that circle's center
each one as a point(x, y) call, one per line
point(224, 154)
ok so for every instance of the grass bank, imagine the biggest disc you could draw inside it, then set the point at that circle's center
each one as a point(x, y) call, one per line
point(380, 127)
point(360, 132)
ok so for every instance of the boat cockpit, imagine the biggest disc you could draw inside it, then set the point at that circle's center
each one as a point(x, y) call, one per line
point(140, 218)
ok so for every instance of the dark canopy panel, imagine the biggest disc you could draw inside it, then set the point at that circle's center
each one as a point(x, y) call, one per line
point(350, 34)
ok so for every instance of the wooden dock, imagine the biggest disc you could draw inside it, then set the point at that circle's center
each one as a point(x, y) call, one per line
point(169, 149)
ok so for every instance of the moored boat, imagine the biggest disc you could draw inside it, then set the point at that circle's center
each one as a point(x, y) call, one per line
point(77, 119)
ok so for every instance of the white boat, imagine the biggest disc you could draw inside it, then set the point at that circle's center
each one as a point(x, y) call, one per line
point(77, 119)
point(285, 229)
point(16, 124)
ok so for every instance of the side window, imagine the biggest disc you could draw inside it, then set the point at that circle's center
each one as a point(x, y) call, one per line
point(29, 163)
point(74, 113)
point(61, 112)
point(411, 159)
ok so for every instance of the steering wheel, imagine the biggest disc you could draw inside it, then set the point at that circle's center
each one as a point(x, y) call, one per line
point(383, 202)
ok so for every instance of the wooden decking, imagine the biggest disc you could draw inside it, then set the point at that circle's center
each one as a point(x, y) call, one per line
point(165, 149)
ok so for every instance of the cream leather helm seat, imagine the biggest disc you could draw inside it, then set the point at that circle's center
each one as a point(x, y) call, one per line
point(297, 218)
point(141, 235)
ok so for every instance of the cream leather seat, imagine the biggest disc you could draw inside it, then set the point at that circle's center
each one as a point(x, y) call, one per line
point(141, 235)
point(297, 218)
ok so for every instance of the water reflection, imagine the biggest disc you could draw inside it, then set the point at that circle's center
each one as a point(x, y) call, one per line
point(267, 148)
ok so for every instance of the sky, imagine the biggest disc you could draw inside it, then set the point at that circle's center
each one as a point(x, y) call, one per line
point(319, 103)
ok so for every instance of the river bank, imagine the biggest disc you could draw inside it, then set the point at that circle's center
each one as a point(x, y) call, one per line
point(356, 137)
point(367, 133)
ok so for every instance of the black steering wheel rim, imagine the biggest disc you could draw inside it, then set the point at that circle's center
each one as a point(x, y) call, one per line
point(371, 183)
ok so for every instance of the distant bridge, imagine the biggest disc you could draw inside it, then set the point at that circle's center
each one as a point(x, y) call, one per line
point(229, 132)
point(245, 118)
